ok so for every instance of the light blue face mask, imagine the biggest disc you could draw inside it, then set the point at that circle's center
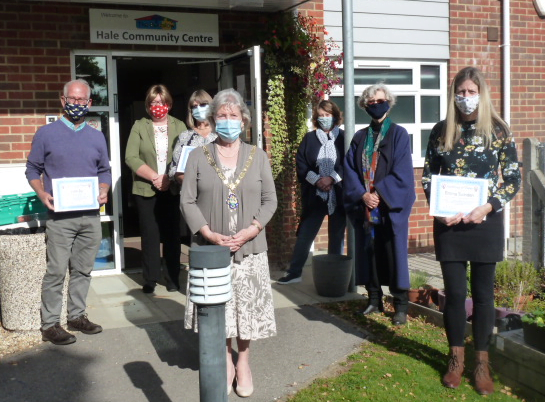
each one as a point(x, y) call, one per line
point(325, 123)
point(228, 130)
point(200, 112)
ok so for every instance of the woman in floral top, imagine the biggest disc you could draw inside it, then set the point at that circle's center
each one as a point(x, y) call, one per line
point(473, 141)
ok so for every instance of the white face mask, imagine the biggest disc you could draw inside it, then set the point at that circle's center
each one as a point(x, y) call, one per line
point(467, 105)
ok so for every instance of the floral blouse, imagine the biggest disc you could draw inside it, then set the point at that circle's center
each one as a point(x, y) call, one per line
point(469, 158)
point(191, 138)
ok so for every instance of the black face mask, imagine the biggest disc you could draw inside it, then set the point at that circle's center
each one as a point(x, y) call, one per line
point(378, 110)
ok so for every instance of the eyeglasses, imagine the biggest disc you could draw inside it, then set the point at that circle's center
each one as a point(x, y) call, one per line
point(199, 105)
point(154, 103)
point(76, 101)
point(373, 101)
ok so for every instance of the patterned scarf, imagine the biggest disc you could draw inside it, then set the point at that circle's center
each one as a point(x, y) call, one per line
point(369, 161)
point(327, 156)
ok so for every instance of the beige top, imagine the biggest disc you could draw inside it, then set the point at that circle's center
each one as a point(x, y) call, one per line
point(204, 194)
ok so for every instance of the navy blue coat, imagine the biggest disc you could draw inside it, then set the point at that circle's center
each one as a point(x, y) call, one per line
point(306, 158)
point(394, 183)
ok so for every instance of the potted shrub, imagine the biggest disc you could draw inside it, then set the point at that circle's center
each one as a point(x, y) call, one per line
point(533, 326)
point(515, 285)
point(421, 292)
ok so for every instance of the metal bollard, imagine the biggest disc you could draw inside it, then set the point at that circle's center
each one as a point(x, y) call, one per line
point(210, 289)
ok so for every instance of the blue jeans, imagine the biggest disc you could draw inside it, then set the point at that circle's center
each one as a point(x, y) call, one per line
point(309, 228)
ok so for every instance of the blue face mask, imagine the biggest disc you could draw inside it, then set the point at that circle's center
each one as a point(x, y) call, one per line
point(325, 123)
point(228, 130)
point(200, 112)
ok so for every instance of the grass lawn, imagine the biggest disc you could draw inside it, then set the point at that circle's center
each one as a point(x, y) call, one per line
point(398, 364)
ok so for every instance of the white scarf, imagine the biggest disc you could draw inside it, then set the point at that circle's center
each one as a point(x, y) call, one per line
point(327, 156)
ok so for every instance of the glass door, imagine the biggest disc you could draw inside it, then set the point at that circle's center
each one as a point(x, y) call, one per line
point(242, 71)
point(98, 69)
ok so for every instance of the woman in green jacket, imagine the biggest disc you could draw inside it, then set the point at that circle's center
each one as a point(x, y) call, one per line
point(148, 155)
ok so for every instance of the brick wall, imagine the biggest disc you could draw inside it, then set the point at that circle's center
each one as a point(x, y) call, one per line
point(469, 46)
point(35, 43)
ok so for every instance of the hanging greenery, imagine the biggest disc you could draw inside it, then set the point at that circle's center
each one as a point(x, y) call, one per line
point(301, 70)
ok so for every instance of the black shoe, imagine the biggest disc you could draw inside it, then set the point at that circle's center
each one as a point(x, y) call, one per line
point(148, 287)
point(399, 318)
point(83, 324)
point(289, 278)
point(171, 287)
point(371, 309)
point(57, 335)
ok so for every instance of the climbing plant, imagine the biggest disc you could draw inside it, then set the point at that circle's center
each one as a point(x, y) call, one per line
point(301, 69)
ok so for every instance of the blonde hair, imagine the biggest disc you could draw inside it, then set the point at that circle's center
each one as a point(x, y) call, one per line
point(488, 120)
point(199, 96)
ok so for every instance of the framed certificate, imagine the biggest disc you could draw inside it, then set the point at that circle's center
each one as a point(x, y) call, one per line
point(75, 193)
point(186, 149)
point(453, 194)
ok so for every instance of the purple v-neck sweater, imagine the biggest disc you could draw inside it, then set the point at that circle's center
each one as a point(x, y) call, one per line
point(58, 151)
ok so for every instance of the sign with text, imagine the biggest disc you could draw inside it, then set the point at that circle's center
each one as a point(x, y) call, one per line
point(153, 28)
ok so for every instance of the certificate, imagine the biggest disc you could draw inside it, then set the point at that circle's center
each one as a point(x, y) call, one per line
point(186, 149)
point(75, 193)
point(453, 194)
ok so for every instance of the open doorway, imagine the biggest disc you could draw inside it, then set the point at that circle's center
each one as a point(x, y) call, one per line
point(134, 76)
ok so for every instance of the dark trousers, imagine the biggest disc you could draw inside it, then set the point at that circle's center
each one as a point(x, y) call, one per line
point(160, 223)
point(309, 227)
point(482, 293)
point(382, 265)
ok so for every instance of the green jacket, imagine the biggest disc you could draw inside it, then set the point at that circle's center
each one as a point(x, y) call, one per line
point(141, 150)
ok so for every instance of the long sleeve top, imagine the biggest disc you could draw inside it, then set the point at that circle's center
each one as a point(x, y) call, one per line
point(58, 150)
point(469, 158)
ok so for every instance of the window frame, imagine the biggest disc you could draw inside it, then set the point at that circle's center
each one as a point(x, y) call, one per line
point(414, 129)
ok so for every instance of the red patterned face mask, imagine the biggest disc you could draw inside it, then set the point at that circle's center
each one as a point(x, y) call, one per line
point(158, 111)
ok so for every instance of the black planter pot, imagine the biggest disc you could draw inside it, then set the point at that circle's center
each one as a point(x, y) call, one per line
point(331, 274)
point(534, 336)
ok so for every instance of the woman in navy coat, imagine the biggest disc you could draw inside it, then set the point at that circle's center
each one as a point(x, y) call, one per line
point(378, 197)
point(320, 171)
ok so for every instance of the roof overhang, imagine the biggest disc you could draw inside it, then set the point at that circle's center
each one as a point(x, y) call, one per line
point(266, 6)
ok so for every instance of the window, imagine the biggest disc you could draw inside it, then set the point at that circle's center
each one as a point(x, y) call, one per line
point(421, 91)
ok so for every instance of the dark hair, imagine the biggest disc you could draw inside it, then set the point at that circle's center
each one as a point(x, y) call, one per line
point(329, 107)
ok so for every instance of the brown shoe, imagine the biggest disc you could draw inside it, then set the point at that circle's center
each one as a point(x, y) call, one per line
point(483, 380)
point(84, 325)
point(453, 377)
point(57, 335)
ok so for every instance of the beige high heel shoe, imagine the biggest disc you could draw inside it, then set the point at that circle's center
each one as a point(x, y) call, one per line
point(245, 392)
point(230, 381)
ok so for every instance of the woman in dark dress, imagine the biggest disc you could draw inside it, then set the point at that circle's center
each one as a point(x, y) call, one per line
point(473, 142)
point(378, 197)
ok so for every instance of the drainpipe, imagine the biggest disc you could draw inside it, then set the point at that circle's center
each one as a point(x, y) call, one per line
point(349, 113)
point(506, 47)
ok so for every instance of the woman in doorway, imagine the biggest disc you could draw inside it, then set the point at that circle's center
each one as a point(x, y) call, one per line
point(320, 172)
point(148, 154)
point(199, 133)
point(228, 197)
point(378, 197)
point(474, 142)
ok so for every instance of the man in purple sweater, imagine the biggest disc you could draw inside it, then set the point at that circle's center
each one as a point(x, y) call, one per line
point(69, 148)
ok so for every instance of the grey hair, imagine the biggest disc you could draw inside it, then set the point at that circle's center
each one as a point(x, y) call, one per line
point(372, 90)
point(78, 81)
point(230, 98)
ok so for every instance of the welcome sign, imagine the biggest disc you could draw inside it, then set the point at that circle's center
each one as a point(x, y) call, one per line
point(153, 28)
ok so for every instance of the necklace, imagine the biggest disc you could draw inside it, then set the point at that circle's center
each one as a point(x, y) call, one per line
point(232, 199)
point(225, 156)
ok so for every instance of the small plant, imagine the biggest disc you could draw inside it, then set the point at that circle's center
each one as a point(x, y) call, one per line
point(419, 280)
point(515, 280)
point(535, 317)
